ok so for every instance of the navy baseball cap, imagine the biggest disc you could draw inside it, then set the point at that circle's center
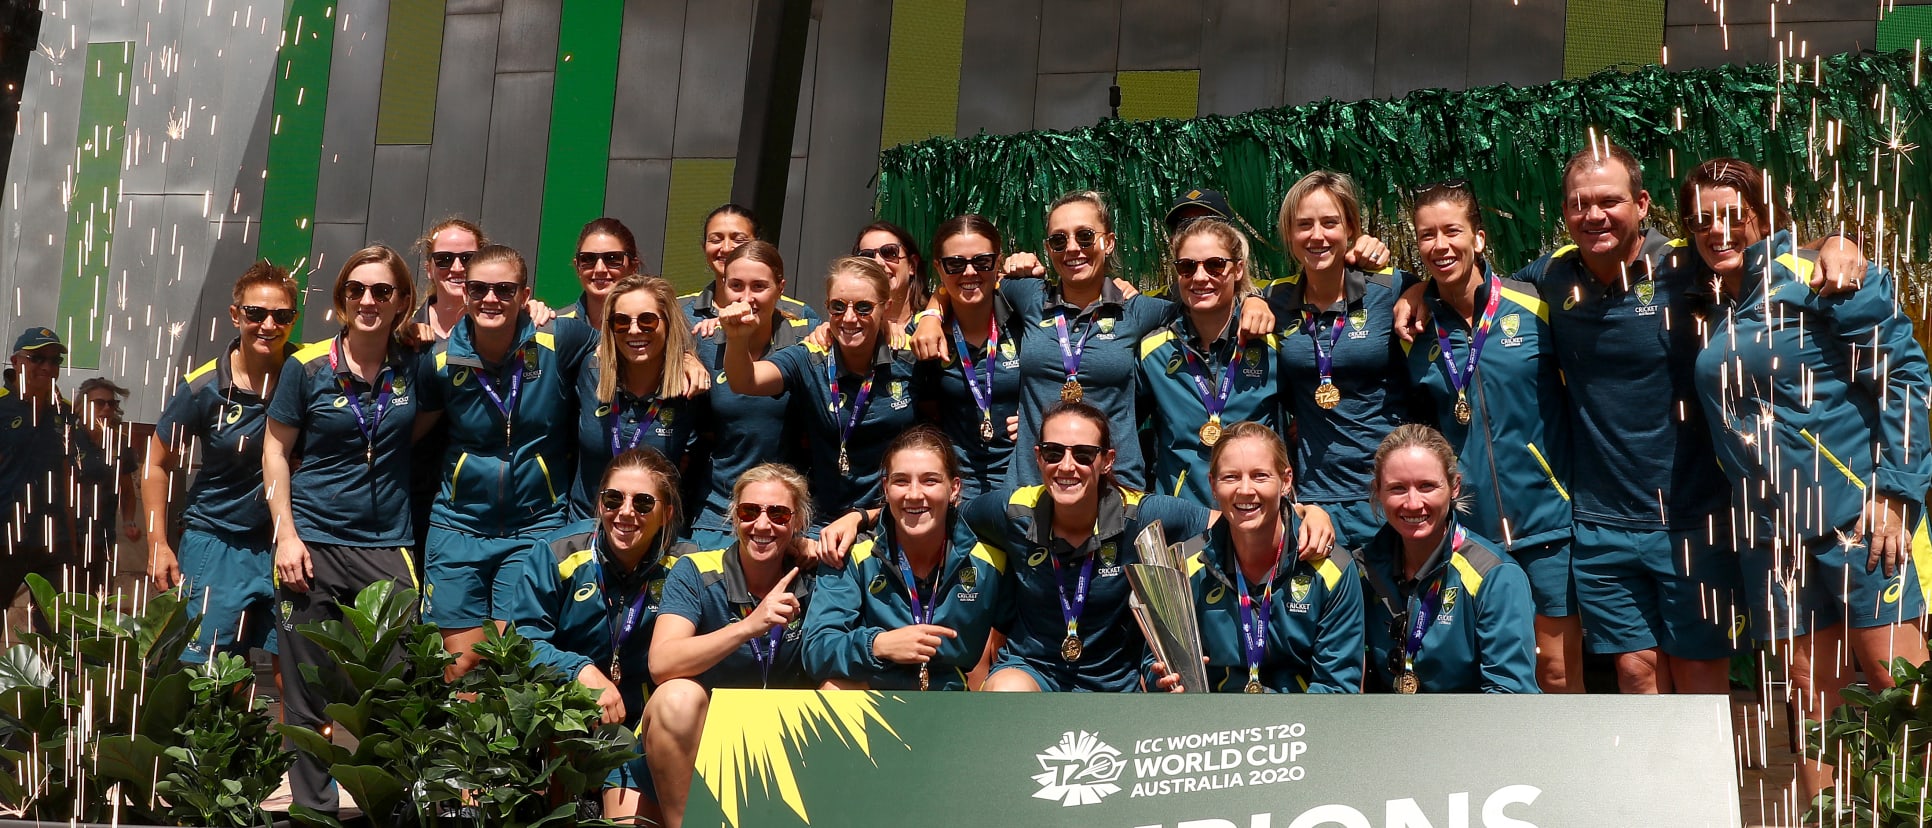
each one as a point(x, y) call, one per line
point(1196, 203)
point(36, 338)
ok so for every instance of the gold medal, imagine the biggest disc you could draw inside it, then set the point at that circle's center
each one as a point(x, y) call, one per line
point(1254, 687)
point(986, 429)
point(925, 677)
point(845, 462)
point(1462, 409)
point(1070, 392)
point(1070, 648)
point(1210, 433)
point(616, 670)
point(1328, 396)
point(1407, 684)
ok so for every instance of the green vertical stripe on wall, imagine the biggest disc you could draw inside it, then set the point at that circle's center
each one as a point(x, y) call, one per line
point(922, 70)
point(1599, 34)
point(1904, 26)
point(295, 134)
point(97, 192)
point(412, 58)
point(574, 177)
point(1148, 95)
point(698, 185)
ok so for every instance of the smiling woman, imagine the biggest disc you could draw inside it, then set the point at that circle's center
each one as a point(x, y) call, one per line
point(627, 396)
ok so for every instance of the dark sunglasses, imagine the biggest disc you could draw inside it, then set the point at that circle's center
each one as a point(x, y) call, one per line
point(1084, 238)
point(255, 314)
point(1055, 452)
point(779, 515)
point(956, 265)
point(612, 259)
point(354, 291)
point(861, 307)
point(55, 360)
point(623, 321)
point(641, 503)
point(888, 252)
point(109, 404)
point(446, 259)
point(1216, 265)
point(478, 291)
point(1703, 222)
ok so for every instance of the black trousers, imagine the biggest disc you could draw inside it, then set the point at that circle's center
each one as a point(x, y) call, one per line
point(340, 573)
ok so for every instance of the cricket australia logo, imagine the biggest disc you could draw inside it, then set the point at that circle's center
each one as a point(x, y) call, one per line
point(1080, 770)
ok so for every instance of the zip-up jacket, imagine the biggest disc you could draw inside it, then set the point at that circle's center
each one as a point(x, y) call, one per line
point(1481, 637)
point(1171, 360)
point(1313, 615)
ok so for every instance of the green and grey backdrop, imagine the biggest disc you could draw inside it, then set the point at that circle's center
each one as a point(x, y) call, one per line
point(162, 146)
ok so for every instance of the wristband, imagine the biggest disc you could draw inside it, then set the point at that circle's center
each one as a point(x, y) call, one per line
point(929, 312)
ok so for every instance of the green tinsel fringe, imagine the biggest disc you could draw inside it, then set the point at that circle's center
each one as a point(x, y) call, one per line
point(1511, 142)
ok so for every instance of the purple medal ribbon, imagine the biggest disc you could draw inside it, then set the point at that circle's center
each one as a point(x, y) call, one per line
point(922, 611)
point(1216, 401)
point(983, 397)
point(1324, 351)
point(1254, 634)
point(858, 400)
point(767, 655)
point(506, 405)
point(1070, 609)
point(1425, 610)
point(1459, 380)
point(632, 615)
point(1070, 351)
point(618, 446)
point(366, 423)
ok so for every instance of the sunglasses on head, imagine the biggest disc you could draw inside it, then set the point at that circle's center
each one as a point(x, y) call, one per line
point(641, 503)
point(1055, 452)
point(1446, 184)
point(1084, 238)
point(778, 515)
point(956, 265)
point(446, 259)
point(623, 321)
point(612, 259)
point(888, 252)
point(354, 291)
point(862, 307)
point(255, 314)
point(478, 291)
point(1215, 265)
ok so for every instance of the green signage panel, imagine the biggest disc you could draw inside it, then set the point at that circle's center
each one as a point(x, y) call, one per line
point(795, 758)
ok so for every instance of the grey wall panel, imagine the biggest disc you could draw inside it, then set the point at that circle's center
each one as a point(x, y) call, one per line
point(999, 66)
point(1331, 50)
point(472, 6)
point(1072, 101)
point(349, 127)
point(113, 21)
point(233, 227)
point(332, 246)
point(1699, 47)
point(711, 85)
point(248, 79)
point(148, 291)
point(465, 87)
point(1080, 36)
point(1689, 12)
point(1421, 44)
point(647, 100)
point(807, 79)
point(1244, 54)
point(1832, 37)
point(527, 41)
point(396, 193)
point(639, 195)
point(519, 136)
point(1515, 41)
point(157, 93)
point(36, 170)
point(848, 112)
point(794, 213)
point(1160, 34)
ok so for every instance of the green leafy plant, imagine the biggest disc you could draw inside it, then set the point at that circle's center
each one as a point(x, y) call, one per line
point(1879, 741)
point(509, 744)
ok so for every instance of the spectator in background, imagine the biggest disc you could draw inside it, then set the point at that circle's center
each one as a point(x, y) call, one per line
point(44, 455)
point(107, 507)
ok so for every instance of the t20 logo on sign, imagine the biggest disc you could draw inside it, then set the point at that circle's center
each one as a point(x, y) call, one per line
point(1080, 770)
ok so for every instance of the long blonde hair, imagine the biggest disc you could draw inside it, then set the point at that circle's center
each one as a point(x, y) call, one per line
point(677, 338)
point(793, 481)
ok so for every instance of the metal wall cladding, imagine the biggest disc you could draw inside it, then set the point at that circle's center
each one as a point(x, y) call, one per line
point(1331, 50)
point(1072, 101)
point(638, 194)
point(1421, 44)
point(152, 106)
point(349, 127)
point(1517, 42)
point(30, 271)
point(1244, 55)
point(644, 119)
point(527, 41)
point(1079, 36)
point(847, 117)
point(397, 190)
point(465, 90)
point(711, 84)
point(1160, 34)
point(999, 66)
point(513, 179)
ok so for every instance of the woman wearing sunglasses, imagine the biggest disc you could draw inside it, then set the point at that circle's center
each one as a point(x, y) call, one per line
point(1486, 370)
point(853, 396)
point(1447, 611)
point(447, 249)
point(730, 617)
point(588, 601)
point(1343, 373)
point(606, 253)
point(346, 407)
point(506, 386)
point(743, 430)
point(915, 605)
point(1817, 407)
point(1078, 334)
point(974, 392)
point(1196, 375)
point(726, 229)
point(632, 394)
point(1270, 622)
point(226, 556)
point(893, 248)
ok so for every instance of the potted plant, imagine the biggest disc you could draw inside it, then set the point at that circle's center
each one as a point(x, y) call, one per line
point(509, 744)
point(1879, 741)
